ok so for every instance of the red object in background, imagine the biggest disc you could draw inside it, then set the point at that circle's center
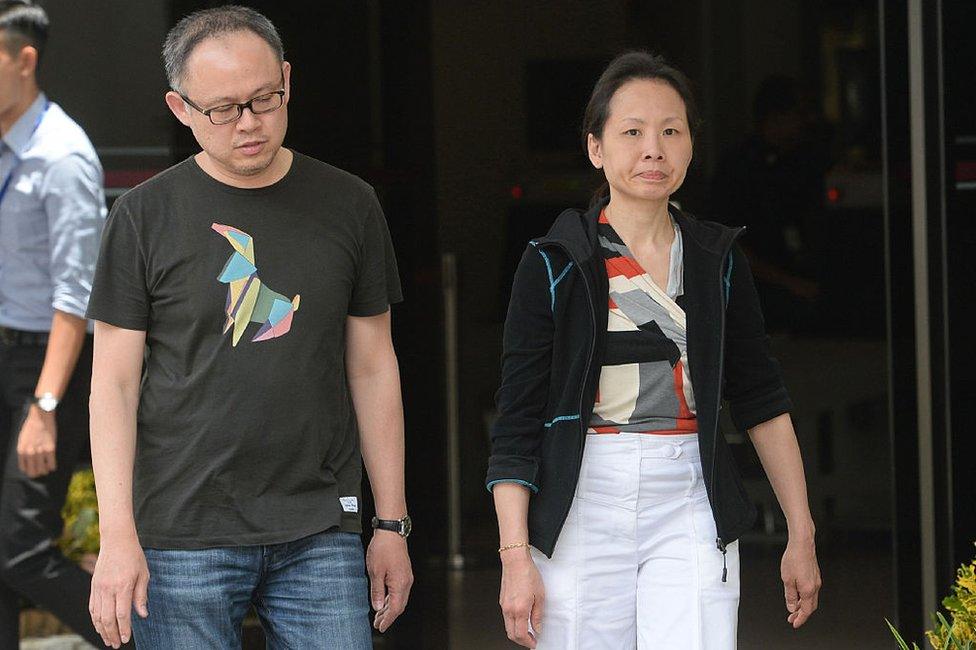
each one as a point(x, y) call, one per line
point(516, 192)
point(966, 170)
point(833, 194)
point(128, 177)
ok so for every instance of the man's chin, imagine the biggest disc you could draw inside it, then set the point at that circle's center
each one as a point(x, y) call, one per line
point(251, 166)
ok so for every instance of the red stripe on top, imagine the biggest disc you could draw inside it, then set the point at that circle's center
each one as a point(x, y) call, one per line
point(625, 266)
point(609, 431)
point(686, 420)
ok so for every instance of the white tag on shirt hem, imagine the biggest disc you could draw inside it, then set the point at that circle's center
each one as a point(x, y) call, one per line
point(349, 504)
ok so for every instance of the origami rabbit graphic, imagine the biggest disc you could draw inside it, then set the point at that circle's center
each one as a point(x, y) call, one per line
point(248, 300)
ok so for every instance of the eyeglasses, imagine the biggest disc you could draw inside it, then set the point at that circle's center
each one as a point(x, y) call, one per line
point(228, 113)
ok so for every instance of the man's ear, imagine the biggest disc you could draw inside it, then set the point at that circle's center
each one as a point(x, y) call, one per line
point(178, 107)
point(595, 150)
point(27, 60)
point(286, 73)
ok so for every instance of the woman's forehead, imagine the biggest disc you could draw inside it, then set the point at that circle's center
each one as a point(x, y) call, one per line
point(647, 99)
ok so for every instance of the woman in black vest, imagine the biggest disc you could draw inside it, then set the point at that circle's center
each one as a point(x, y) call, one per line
point(619, 506)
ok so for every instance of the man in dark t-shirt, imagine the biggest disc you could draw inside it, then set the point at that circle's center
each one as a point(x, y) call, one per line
point(242, 359)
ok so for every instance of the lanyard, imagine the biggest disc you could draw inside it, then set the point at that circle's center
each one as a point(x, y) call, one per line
point(10, 176)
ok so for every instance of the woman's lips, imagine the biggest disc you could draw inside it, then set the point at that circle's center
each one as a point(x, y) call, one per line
point(653, 176)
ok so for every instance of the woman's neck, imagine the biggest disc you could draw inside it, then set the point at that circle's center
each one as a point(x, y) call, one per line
point(641, 224)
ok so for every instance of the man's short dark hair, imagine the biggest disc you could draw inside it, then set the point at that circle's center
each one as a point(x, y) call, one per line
point(23, 23)
point(207, 23)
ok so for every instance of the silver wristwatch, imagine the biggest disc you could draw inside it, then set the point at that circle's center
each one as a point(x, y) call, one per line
point(47, 402)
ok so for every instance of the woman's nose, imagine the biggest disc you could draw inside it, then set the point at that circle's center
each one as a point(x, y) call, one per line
point(653, 150)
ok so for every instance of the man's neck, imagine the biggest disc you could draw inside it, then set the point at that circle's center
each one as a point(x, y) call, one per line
point(273, 173)
point(9, 117)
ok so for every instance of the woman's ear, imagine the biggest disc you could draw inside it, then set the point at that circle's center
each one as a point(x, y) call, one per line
point(595, 150)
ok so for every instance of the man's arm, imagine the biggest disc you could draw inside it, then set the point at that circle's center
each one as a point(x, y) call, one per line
point(374, 383)
point(37, 441)
point(121, 576)
point(73, 204)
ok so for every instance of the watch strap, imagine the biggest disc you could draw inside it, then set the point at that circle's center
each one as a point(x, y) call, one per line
point(401, 527)
point(387, 524)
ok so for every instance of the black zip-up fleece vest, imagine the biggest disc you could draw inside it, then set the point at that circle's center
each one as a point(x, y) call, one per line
point(554, 342)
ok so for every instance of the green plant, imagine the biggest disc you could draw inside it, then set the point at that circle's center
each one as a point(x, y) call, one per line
point(80, 515)
point(960, 633)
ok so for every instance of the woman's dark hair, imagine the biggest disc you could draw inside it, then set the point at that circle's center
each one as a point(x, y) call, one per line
point(628, 67)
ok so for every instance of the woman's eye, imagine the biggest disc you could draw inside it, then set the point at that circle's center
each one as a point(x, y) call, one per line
point(670, 131)
point(632, 132)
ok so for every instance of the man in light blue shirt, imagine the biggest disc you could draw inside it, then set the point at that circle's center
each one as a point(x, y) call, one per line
point(52, 208)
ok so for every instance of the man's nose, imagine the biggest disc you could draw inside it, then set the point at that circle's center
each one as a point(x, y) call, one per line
point(248, 120)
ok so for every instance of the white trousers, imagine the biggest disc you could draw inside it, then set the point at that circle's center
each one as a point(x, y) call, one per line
point(636, 564)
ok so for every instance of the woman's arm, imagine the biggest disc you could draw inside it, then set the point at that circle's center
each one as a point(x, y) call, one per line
point(524, 391)
point(514, 466)
point(522, 594)
point(775, 442)
point(760, 404)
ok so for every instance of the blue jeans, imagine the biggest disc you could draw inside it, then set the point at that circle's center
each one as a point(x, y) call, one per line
point(310, 593)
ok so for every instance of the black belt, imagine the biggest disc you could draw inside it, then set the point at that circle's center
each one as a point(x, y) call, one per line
point(12, 337)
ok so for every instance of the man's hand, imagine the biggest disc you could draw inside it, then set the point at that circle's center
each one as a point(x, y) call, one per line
point(120, 582)
point(37, 443)
point(390, 577)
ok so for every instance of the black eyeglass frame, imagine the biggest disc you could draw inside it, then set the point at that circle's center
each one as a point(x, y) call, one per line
point(240, 107)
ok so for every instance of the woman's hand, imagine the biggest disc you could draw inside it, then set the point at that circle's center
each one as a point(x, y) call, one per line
point(801, 580)
point(522, 596)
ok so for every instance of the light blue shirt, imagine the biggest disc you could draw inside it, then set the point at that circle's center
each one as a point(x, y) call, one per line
point(51, 218)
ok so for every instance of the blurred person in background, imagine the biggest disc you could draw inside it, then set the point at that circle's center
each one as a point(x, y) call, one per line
point(257, 284)
point(619, 504)
point(52, 209)
point(773, 184)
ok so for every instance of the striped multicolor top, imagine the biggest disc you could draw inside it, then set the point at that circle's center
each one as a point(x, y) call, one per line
point(645, 386)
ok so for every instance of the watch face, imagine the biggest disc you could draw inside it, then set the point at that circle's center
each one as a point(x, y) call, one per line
point(47, 403)
point(406, 526)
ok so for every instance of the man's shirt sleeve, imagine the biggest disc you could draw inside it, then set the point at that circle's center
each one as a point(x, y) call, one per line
point(120, 295)
point(377, 283)
point(75, 207)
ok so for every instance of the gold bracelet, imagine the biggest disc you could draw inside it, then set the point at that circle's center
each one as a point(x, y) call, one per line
point(511, 546)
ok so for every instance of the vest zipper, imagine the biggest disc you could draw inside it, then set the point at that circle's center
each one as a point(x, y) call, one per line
point(719, 543)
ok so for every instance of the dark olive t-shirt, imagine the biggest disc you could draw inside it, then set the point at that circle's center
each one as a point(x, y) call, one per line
point(246, 432)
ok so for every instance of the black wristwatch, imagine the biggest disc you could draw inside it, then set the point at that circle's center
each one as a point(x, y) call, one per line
point(401, 527)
